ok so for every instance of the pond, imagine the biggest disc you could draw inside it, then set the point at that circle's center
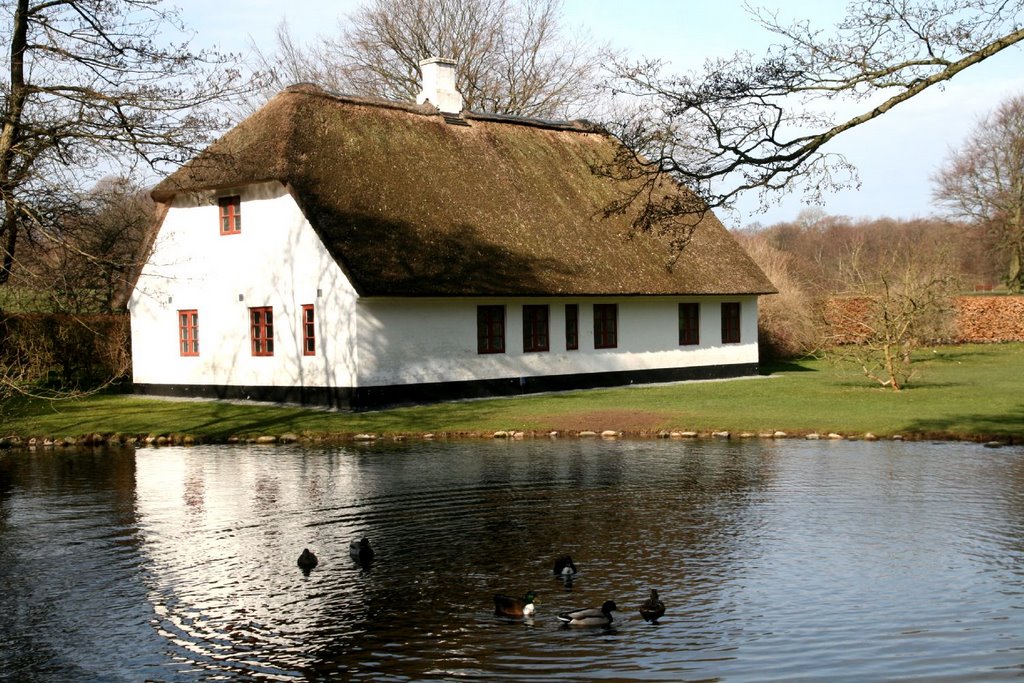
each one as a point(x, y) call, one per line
point(777, 560)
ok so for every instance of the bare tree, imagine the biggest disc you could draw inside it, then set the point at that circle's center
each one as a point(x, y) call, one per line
point(87, 260)
point(759, 123)
point(828, 269)
point(92, 89)
point(288, 62)
point(514, 56)
point(983, 181)
point(893, 306)
point(93, 265)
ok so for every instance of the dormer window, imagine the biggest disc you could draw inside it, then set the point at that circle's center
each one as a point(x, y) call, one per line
point(230, 215)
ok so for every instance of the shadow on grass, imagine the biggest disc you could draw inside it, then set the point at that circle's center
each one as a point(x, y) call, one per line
point(139, 417)
point(778, 366)
point(976, 426)
point(951, 354)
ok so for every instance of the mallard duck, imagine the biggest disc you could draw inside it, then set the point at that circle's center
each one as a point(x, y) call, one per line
point(507, 606)
point(564, 567)
point(361, 551)
point(307, 560)
point(590, 617)
point(652, 608)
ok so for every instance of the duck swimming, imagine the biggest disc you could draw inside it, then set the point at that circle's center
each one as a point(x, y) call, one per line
point(361, 551)
point(307, 560)
point(508, 606)
point(564, 567)
point(652, 608)
point(590, 617)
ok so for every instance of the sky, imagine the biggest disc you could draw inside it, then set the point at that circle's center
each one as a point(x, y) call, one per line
point(896, 155)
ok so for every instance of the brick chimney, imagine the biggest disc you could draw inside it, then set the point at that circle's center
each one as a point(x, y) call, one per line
point(439, 88)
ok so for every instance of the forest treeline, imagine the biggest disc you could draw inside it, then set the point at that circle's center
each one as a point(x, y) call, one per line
point(818, 257)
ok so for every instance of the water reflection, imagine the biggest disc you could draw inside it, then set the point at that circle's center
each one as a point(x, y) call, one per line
point(838, 561)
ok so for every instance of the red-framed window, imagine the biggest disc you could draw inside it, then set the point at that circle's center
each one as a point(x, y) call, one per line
point(308, 331)
point(689, 324)
point(572, 327)
point(730, 322)
point(188, 332)
point(490, 329)
point(535, 328)
point(230, 215)
point(606, 326)
point(261, 330)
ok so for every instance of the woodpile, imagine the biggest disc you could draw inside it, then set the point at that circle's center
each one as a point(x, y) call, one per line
point(844, 319)
point(983, 319)
point(978, 319)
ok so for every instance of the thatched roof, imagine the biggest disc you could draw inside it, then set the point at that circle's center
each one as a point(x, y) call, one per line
point(411, 205)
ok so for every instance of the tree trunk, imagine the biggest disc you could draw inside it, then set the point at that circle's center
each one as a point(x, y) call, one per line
point(9, 136)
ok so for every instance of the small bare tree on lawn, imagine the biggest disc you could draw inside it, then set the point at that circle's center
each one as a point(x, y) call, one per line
point(893, 307)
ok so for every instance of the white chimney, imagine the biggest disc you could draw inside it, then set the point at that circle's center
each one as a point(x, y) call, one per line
point(439, 85)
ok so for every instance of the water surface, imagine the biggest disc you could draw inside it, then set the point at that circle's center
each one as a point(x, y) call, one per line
point(778, 560)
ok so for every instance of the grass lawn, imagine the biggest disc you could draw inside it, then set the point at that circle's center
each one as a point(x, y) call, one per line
point(972, 391)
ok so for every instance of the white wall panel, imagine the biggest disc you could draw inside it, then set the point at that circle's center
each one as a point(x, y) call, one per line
point(277, 260)
point(434, 340)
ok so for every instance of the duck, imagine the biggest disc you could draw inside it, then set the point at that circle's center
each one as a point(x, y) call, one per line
point(508, 606)
point(564, 567)
point(593, 616)
point(652, 608)
point(361, 551)
point(307, 560)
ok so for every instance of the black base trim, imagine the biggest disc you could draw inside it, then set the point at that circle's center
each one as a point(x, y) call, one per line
point(333, 397)
point(357, 398)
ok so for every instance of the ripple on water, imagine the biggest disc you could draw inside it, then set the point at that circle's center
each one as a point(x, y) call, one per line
point(777, 560)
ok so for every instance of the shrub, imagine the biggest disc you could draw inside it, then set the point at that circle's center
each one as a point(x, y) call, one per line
point(54, 354)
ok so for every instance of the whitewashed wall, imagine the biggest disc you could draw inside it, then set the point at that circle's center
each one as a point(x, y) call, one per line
point(434, 340)
point(277, 260)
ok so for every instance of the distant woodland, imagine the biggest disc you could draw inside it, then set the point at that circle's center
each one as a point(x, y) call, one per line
point(817, 258)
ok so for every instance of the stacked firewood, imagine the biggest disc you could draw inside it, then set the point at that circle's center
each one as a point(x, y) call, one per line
point(989, 319)
point(977, 319)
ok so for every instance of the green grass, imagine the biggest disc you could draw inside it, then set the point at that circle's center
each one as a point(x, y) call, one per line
point(973, 391)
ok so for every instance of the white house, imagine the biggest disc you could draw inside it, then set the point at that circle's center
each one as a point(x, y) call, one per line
point(353, 252)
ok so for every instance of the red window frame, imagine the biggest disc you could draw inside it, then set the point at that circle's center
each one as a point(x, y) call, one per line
point(188, 332)
point(689, 324)
point(730, 322)
point(535, 328)
point(490, 329)
point(230, 215)
point(308, 330)
point(572, 327)
point(606, 326)
point(261, 330)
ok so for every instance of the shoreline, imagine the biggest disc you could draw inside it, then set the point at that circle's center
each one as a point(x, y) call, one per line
point(964, 393)
point(174, 439)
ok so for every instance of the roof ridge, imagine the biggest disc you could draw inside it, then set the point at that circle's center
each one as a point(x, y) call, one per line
point(315, 90)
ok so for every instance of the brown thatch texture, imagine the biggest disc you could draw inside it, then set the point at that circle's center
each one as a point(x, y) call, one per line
point(410, 205)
